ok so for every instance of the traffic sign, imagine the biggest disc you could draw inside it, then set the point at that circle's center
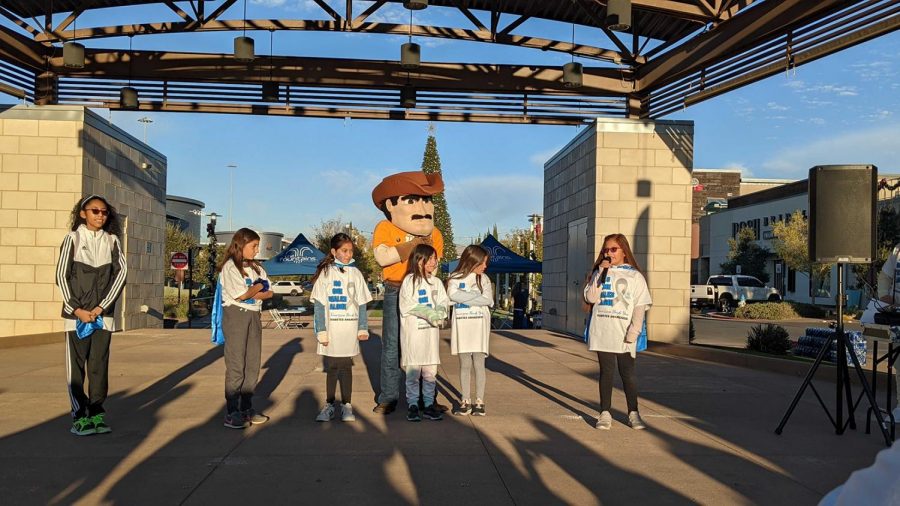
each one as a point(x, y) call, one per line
point(179, 261)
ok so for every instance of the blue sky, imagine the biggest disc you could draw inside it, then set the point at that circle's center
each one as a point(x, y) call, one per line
point(295, 172)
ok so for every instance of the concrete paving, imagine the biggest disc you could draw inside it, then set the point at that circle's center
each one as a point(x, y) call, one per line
point(710, 439)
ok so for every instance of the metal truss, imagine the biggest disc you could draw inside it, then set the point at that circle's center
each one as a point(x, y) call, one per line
point(677, 53)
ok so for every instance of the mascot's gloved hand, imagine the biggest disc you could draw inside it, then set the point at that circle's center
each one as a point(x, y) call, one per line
point(264, 283)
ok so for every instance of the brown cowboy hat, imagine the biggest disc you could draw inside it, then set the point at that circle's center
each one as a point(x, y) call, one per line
point(414, 182)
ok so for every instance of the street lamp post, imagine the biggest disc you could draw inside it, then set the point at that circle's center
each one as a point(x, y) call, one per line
point(231, 197)
point(146, 121)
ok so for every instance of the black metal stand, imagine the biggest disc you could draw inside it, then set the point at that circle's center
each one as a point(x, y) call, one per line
point(888, 358)
point(843, 378)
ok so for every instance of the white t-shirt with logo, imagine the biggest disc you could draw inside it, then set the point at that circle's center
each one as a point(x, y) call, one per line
point(624, 289)
point(341, 293)
point(235, 284)
point(419, 339)
point(470, 325)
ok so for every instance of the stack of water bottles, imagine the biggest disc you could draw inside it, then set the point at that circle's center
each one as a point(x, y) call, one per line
point(808, 345)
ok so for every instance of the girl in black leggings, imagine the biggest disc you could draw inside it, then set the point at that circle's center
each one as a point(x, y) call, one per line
point(619, 298)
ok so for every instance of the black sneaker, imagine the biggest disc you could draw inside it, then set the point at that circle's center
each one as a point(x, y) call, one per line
point(385, 408)
point(413, 414)
point(433, 413)
point(236, 421)
point(478, 409)
point(464, 408)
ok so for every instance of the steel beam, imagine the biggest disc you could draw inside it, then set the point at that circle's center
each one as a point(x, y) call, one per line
point(766, 20)
point(581, 50)
point(196, 67)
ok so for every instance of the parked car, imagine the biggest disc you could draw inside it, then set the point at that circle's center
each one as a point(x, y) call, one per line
point(724, 292)
point(287, 287)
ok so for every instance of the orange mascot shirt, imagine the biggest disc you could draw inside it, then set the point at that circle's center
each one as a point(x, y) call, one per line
point(390, 235)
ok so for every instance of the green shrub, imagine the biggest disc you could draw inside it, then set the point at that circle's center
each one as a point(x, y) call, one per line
point(809, 310)
point(766, 311)
point(172, 309)
point(770, 338)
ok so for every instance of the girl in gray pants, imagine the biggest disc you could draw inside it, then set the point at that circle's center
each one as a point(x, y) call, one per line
point(244, 286)
point(472, 293)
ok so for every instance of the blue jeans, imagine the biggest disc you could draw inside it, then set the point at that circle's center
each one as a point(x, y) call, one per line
point(390, 346)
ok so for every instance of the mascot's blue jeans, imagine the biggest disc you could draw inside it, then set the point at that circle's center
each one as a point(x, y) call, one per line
point(391, 374)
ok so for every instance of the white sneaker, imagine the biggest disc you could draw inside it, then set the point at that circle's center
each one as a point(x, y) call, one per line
point(635, 421)
point(604, 422)
point(347, 413)
point(327, 413)
point(896, 414)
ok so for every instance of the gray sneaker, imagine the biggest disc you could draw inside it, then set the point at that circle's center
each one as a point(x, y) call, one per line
point(347, 413)
point(635, 421)
point(604, 422)
point(327, 413)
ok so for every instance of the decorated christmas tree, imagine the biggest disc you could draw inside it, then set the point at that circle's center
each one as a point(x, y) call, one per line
point(431, 164)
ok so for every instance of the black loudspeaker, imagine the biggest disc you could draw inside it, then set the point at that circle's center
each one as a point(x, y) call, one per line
point(842, 213)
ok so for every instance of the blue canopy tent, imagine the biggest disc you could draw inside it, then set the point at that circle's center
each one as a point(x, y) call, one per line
point(301, 257)
point(503, 260)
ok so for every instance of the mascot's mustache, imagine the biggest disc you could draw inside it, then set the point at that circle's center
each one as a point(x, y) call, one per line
point(421, 217)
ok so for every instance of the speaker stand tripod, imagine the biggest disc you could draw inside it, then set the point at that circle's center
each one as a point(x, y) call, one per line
point(843, 377)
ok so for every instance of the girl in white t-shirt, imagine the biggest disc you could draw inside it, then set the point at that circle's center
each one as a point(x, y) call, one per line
point(244, 286)
point(619, 303)
point(472, 293)
point(340, 294)
point(423, 307)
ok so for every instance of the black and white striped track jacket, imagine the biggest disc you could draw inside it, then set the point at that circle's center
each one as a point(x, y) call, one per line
point(91, 271)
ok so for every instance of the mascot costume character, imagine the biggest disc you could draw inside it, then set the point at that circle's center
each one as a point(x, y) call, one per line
point(405, 200)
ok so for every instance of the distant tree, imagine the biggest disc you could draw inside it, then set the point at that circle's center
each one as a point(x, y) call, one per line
point(744, 251)
point(888, 234)
point(177, 240)
point(791, 244)
point(431, 164)
point(362, 253)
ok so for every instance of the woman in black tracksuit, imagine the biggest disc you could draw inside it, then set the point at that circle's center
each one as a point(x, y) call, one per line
point(90, 275)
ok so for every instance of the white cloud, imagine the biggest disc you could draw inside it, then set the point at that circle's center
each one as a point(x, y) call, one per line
point(874, 70)
point(876, 146)
point(796, 84)
point(879, 115)
point(476, 203)
point(775, 106)
point(541, 157)
point(745, 171)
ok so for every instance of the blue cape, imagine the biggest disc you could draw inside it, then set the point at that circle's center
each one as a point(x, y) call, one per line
point(215, 321)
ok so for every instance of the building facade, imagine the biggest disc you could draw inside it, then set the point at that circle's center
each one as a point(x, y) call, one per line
point(185, 214)
point(50, 158)
point(761, 211)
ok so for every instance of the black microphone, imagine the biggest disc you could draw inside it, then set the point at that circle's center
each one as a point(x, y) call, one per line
point(602, 278)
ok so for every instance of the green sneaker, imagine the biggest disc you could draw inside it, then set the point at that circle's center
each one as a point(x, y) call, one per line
point(83, 426)
point(100, 426)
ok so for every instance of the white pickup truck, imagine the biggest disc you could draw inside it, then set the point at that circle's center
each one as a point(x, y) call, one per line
point(724, 292)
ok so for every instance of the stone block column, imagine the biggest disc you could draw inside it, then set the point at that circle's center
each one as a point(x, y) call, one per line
point(639, 174)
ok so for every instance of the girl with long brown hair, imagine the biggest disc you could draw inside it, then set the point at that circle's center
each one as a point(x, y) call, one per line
point(423, 307)
point(472, 293)
point(619, 298)
point(244, 286)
